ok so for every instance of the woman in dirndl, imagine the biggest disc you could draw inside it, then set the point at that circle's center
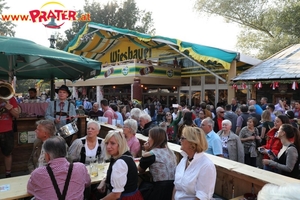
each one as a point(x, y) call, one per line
point(122, 175)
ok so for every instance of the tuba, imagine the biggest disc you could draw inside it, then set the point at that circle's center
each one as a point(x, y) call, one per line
point(6, 91)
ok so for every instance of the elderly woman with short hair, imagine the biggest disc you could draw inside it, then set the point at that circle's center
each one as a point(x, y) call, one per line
point(248, 135)
point(195, 175)
point(88, 148)
point(135, 114)
point(129, 130)
point(232, 146)
point(122, 173)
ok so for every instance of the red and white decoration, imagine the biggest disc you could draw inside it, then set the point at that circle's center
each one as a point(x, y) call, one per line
point(274, 85)
point(235, 87)
point(243, 86)
point(258, 85)
point(295, 85)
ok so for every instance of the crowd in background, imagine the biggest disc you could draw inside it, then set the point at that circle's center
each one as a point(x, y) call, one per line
point(265, 136)
point(247, 133)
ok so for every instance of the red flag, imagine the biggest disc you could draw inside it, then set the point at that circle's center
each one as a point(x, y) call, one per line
point(295, 85)
point(274, 85)
point(243, 86)
point(258, 85)
point(234, 86)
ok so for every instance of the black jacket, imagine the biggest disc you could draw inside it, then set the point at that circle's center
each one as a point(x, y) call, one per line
point(147, 127)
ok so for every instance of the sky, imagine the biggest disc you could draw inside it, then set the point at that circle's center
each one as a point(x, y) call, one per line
point(172, 18)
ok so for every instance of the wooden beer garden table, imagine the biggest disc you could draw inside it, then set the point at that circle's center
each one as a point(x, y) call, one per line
point(16, 187)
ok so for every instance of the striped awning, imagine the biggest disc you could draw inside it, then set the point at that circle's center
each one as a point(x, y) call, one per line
point(110, 44)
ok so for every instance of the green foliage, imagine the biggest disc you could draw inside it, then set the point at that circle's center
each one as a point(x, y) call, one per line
point(125, 15)
point(24, 85)
point(268, 26)
point(6, 27)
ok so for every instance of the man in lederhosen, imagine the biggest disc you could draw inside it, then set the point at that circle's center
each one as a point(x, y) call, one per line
point(61, 111)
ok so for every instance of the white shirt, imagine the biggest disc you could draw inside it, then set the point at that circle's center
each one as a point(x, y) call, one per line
point(42, 161)
point(91, 153)
point(119, 175)
point(174, 115)
point(197, 180)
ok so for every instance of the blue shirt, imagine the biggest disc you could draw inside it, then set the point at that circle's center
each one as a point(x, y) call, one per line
point(78, 103)
point(120, 117)
point(214, 144)
point(197, 121)
point(258, 109)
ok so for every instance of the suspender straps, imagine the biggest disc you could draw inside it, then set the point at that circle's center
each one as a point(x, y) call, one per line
point(83, 154)
point(62, 113)
point(59, 195)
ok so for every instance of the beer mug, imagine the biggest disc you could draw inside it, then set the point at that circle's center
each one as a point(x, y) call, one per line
point(100, 163)
point(93, 169)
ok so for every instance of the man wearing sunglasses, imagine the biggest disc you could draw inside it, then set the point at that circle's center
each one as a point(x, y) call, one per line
point(218, 119)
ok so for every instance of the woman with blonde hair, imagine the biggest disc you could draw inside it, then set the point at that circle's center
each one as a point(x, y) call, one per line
point(195, 175)
point(122, 177)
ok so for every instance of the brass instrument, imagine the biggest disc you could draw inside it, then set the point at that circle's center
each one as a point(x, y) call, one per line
point(6, 91)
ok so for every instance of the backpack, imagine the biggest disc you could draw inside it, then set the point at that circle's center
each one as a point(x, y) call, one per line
point(245, 119)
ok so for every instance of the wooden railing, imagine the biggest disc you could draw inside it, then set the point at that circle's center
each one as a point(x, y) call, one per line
point(233, 178)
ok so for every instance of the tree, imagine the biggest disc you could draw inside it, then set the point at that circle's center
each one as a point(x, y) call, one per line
point(125, 15)
point(6, 27)
point(24, 85)
point(268, 26)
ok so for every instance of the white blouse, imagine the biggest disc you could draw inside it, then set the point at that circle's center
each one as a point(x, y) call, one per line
point(197, 180)
point(119, 176)
point(90, 153)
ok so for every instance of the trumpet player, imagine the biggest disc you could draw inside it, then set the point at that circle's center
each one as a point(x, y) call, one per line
point(8, 111)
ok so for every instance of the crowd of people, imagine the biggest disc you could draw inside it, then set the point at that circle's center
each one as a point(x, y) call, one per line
point(246, 133)
point(265, 136)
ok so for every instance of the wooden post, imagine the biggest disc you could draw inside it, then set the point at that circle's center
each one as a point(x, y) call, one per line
point(231, 74)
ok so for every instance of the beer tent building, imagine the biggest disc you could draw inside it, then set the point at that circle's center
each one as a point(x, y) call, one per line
point(137, 66)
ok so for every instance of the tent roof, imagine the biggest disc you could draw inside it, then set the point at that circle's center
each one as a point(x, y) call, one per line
point(95, 40)
point(282, 65)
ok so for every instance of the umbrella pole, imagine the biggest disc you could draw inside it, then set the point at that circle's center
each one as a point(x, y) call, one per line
point(52, 91)
point(10, 74)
